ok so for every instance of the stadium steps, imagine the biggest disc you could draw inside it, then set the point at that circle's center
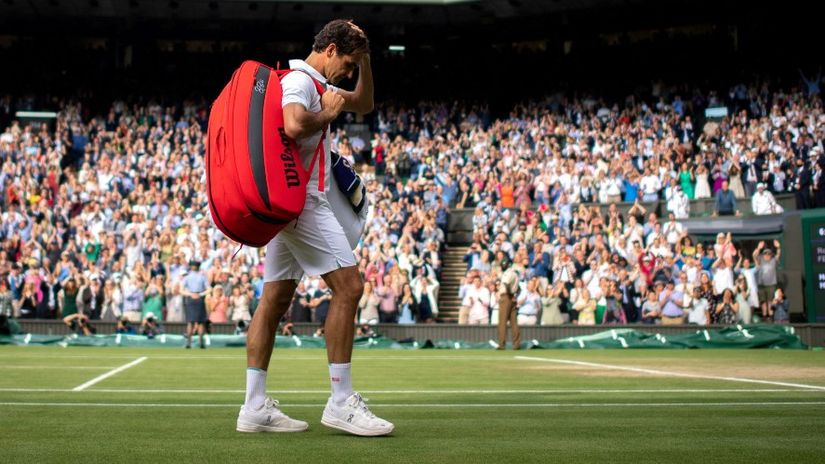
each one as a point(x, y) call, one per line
point(453, 272)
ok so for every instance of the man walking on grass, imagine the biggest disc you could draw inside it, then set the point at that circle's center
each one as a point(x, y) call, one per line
point(315, 243)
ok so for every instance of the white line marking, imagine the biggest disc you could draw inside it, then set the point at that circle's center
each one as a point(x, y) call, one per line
point(422, 392)
point(436, 405)
point(278, 357)
point(669, 373)
point(106, 375)
point(57, 367)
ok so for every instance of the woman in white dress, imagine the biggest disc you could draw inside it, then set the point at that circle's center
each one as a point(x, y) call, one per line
point(478, 299)
point(702, 185)
point(735, 182)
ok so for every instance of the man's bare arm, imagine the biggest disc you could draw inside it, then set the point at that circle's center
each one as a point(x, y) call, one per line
point(299, 123)
point(361, 99)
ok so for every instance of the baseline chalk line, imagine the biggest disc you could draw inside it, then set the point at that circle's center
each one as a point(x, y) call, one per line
point(668, 373)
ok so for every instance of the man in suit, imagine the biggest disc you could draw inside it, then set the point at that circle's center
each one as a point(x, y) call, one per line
point(803, 181)
point(776, 181)
point(819, 183)
point(629, 294)
point(91, 299)
point(751, 173)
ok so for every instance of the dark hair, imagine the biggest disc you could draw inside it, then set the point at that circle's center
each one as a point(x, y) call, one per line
point(340, 32)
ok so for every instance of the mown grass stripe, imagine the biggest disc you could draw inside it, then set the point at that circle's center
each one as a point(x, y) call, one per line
point(668, 373)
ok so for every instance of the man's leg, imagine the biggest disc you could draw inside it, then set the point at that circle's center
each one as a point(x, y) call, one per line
point(770, 291)
point(503, 309)
point(513, 316)
point(281, 273)
point(260, 338)
point(319, 245)
point(763, 301)
point(339, 329)
point(201, 331)
point(346, 410)
point(189, 334)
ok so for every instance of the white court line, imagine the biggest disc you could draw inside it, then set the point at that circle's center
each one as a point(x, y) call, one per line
point(278, 357)
point(106, 375)
point(422, 392)
point(471, 392)
point(437, 405)
point(669, 373)
point(57, 367)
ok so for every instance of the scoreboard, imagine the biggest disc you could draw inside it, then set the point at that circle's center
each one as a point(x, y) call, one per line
point(814, 254)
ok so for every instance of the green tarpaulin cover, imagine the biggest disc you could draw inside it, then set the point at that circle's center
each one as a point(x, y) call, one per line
point(755, 336)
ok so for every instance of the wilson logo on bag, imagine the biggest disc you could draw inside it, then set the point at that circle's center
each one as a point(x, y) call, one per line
point(255, 180)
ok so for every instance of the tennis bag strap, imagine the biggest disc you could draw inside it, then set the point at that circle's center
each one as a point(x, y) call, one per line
point(319, 150)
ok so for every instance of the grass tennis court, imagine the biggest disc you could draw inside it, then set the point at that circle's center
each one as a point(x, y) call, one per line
point(165, 405)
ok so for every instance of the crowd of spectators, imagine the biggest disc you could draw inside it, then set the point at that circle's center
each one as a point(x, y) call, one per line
point(543, 184)
point(102, 216)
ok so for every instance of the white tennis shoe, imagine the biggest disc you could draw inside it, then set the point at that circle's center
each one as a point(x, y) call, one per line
point(355, 417)
point(268, 419)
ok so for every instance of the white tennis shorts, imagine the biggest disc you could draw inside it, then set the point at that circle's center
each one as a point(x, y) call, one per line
point(315, 244)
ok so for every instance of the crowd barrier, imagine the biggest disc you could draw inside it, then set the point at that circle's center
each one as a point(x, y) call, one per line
point(812, 335)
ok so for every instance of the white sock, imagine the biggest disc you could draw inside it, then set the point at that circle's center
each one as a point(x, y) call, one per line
point(340, 377)
point(255, 388)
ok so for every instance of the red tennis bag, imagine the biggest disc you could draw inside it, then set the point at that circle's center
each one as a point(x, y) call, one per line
point(255, 180)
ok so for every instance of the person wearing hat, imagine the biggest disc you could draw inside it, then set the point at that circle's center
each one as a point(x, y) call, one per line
point(678, 202)
point(766, 274)
point(194, 289)
point(763, 201)
point(508, 310)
